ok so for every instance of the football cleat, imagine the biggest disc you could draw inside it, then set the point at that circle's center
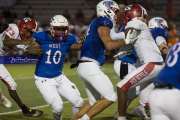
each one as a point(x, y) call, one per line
point(31, 112)
point(141, 112)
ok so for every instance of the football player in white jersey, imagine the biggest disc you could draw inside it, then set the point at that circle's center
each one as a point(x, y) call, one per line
point(158, 28)
point(3, 99)
point(125, 64)
point(149, 57)
point(9, 39)
point(125, 61)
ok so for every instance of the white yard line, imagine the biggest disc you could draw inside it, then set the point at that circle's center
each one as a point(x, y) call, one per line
point(36, 107)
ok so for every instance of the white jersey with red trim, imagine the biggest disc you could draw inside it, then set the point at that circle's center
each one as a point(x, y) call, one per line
point(2, 35)
point(12, 31)
point(145, 47)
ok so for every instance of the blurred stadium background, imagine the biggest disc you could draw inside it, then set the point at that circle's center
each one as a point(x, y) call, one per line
point(79, 13)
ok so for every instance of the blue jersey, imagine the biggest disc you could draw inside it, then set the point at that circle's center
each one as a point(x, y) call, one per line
point(51, 60)
point(93, 46)
point(170, 75)
point(130, 58)
point(159, 32)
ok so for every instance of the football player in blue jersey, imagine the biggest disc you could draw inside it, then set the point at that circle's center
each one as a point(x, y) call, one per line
point(99, 88)
point(159, 30)
point(50, 80)
point(164, 99)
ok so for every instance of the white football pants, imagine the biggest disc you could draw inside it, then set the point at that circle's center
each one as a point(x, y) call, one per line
point(164, 104)
point(97, 83)
point(6, 77)
point(53, 88)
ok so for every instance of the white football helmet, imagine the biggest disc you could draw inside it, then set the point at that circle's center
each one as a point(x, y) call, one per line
point(157, 22)
point(59, 27)
point(59, 21)
point(107, 8)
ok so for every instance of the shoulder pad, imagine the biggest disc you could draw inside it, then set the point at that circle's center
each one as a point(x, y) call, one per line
point(136, 24)
point(12, 31)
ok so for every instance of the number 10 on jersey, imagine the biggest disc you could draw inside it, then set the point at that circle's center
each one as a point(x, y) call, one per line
point(56, 57)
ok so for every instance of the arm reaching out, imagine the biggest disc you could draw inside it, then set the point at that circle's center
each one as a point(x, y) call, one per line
point(28, 46)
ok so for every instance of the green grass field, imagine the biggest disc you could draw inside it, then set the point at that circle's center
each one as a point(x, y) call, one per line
point(23, 75)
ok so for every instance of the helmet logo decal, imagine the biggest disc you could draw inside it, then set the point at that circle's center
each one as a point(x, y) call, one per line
point(108, 4)
point(128, 8)
point(159, 21)
point(27, 19)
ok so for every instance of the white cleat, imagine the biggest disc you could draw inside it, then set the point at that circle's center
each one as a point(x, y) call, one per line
point(5, 102)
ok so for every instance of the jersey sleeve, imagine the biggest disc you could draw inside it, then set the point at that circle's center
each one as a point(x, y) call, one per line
point(72, 39)
point(159, 32)
point(122, 28)
point(38, 36)
point(12, 31)
point(136, 24)
point(160, 40)
point(104, 21)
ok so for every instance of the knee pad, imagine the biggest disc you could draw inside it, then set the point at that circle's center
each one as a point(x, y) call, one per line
point(78, 103)
point(57, 106)
point(112, 97)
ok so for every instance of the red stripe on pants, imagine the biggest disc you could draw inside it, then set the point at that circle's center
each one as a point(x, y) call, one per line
point(138, 77)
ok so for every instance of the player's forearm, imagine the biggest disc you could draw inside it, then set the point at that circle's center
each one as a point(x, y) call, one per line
point(34, 48)
point(104, 34)
point(33, 52)
point(114, 44)
point(76, 46)
point(164, 50)
point(8, 42)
